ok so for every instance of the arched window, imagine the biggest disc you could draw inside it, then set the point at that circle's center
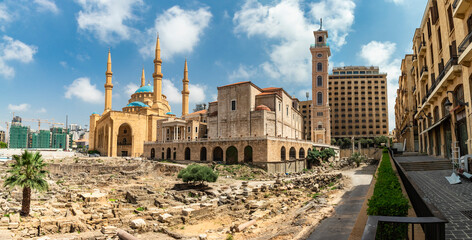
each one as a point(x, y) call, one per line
point(319, 81)
point(319, 98)
point(282, 154)
point(319, 67)
point(459, 93)
point(320, 39)
point(187, 153)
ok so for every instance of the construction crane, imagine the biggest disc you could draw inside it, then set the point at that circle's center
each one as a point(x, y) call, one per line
point(37, 120)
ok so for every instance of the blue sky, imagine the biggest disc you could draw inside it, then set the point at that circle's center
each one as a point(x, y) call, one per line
point(53, 53)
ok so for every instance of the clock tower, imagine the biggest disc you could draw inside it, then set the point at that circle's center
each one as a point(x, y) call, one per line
point(320, 112)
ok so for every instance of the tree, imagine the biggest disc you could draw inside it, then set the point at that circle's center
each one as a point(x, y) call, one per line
point(380, 139)
point(333, 141)
point(315, 157)
point(346, 143)
point(197, 173)
point(28, 173)
point(3, 145)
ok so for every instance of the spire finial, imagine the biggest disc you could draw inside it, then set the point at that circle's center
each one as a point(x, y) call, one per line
point(321, 23)
point(158, 47)
point(143, 79)
point(185, 71)
point(109, 61)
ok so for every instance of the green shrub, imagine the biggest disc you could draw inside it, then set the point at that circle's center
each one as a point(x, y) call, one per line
point(93, 152)
point(315, 157)
point(388, 200)
point(356, 158)
point(197, 173)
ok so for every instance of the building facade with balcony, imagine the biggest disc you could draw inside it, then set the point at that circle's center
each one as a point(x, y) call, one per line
point(442, 74)
point(406, 130)
point(358, 101)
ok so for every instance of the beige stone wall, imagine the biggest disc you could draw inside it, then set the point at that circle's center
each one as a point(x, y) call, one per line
point(441, 66)
point(264, 149)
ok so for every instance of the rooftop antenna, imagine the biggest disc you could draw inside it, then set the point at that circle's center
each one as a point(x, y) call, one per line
point(307, 95)
point(321, 23)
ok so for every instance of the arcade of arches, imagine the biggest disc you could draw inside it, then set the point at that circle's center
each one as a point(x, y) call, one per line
point(230, 152)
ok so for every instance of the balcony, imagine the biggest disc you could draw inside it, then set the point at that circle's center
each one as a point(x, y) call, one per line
point(317, 45)
point(445, 78)
point(422, 48)
point(460, 7)
point(465, 51)
point(414, 58)
point(424, 73)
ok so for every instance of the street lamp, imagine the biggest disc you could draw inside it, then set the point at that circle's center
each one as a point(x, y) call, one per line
point(424, 114)
point(448, 104)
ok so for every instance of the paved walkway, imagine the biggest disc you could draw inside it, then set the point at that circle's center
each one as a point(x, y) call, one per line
point(449, 199)
point(339, 226)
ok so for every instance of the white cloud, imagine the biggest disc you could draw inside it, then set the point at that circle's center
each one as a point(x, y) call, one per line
point(179, 31)
point(171, 91)
point(242, 73)
point(19, 108)
point(396, 2)
point(14, 50)
point(82, 89)
point(197, 94)
point(131, 88)
point(42, 110)
point(4, 15)
point(381, 54)
point(292, 29)
point(47, 5)
point(107, 19)
point(63, 64)
point(338, 17)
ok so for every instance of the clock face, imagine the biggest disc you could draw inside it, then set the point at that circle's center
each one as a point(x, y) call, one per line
point(319, 55)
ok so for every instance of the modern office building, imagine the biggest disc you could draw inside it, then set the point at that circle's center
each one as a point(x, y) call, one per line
point(358, 102)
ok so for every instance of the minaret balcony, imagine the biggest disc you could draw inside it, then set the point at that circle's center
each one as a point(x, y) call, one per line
point(318, 45)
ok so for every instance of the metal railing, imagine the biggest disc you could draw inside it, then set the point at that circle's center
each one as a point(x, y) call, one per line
point(424, 69)
point(428, 217)
point(452, 61)
point(465, 43)
point(454, 5)
point(319, 45)
point(422, 44)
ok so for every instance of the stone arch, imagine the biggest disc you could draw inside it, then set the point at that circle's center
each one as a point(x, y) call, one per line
point(231, 155)
point(292, 153)
point(301, 153)
point(125, 140)
point(218, 154)
point(283, 154)
point(168, 156)
point(248, 154)
point(153, 153)
point(203, 154)
point(187, 153)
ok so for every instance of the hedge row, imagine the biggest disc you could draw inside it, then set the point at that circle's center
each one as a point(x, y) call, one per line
point(388, 200)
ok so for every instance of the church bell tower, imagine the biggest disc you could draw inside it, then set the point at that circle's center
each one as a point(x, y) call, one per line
point(320, 112)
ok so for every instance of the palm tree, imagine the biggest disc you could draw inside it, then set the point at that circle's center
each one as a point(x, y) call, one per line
point(27, 172)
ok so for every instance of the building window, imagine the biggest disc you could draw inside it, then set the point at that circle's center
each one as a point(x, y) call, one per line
point(233, 105)
point(188, 129)
point(319, 81)
point(319, 67)
point(196, 129)
point(287, 110)
point(320, 39)
point(319, 114)
point(319, 98)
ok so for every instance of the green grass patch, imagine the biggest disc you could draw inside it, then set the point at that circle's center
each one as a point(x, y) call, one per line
point(388, 200)
point(140, 209)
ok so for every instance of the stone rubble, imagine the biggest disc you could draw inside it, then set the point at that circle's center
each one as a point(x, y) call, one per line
point(99, 197)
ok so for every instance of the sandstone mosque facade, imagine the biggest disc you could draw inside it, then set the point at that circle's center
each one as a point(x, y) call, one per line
point(246, 124)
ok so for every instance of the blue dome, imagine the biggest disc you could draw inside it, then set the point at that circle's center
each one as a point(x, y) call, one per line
point(94, 113)
point(169, 113)
point(147, 88)
point(137, 104)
